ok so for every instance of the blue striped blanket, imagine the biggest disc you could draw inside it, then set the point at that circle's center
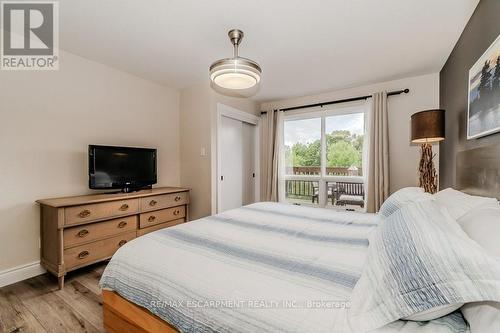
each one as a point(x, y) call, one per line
point(266, 267)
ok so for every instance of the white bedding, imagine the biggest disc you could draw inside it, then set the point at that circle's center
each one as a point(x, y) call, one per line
point(266, 267)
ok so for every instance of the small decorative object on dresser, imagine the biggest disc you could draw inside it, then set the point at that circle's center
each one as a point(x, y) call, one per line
point(427, 127)
point(82, 230)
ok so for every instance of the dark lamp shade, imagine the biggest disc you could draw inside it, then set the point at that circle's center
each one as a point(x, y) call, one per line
point(427, 126)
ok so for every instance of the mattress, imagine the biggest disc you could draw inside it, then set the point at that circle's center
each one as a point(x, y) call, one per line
point(265, 267)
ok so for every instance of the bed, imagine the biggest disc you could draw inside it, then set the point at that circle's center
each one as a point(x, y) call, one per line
point(271, 267)
point(266, 267)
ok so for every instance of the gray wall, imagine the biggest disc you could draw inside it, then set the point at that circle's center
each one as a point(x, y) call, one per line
point(481, 30)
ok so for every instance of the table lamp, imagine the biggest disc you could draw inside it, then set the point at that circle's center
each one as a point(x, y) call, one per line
point(427, 127)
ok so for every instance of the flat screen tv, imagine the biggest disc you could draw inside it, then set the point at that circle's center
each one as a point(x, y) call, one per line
point(124, 168)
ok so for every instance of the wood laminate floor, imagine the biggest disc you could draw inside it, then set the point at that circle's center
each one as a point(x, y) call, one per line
point(37, 305)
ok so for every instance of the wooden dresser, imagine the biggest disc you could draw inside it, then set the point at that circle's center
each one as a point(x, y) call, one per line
point(79, 231)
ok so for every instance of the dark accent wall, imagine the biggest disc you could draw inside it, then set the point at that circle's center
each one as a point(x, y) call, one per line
point(481, 30)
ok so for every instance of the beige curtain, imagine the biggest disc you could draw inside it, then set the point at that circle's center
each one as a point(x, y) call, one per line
point(271, 131)
point(377, 176)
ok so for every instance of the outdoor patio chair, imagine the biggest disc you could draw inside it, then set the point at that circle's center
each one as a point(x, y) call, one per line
point(350, 194)
point(331, 194)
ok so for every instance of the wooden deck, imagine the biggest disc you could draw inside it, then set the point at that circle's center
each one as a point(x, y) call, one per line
point(36, 305)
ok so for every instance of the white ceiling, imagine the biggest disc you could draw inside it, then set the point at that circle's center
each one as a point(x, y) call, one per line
point(303, 46)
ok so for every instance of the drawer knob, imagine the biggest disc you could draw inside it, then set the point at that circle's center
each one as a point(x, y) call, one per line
point(83, 254)
point(177, 198)
point(177, 212)
point(84, 213)
point(151, 218)
point(122, 224)
point(83, 233)
point(124, 207)
point(153, 203)
point(122, 242)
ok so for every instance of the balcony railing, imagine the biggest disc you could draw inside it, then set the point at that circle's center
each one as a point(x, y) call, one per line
point(330, 171)
point(308, 190)
point(300, 189)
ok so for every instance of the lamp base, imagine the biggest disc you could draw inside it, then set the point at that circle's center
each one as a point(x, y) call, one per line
point(428, 177)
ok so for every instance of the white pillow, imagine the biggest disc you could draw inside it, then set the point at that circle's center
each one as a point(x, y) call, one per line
point(421, 263)
point(482, 224)
point(483, 317)
point(459, 203)
point(401, 198)
point(434, 313)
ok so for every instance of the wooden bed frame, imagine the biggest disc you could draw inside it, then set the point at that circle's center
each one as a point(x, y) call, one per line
point(122, 316)
point(478, 173)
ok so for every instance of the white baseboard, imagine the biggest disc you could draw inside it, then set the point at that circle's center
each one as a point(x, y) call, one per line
point(19, 273)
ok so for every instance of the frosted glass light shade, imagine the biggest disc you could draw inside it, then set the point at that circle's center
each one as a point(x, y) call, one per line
point(235, 81)
point(235, 73)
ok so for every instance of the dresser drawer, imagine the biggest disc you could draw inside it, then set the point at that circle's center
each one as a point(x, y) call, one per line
point(83, 254)
point(85, 213)
point(90, 232)
point(161, 216)
point(164, 201)
point(147, 230)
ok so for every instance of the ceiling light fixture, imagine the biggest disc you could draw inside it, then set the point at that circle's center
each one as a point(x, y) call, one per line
point(236, 74)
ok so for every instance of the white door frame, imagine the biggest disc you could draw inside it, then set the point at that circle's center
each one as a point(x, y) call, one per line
point(230, 112)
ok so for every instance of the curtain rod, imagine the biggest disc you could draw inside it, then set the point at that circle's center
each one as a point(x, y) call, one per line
point(352, 99)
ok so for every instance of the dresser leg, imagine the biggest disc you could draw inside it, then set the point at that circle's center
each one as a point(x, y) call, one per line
point(60, 281)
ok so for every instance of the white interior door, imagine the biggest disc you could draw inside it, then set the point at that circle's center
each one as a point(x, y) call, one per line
point(231, 164)
point(248, 172)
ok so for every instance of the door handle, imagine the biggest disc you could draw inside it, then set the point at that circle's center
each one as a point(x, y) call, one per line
point(221, 177)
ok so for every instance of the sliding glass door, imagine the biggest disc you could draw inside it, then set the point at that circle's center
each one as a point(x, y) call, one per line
point(302, 156)
point(323, 157)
